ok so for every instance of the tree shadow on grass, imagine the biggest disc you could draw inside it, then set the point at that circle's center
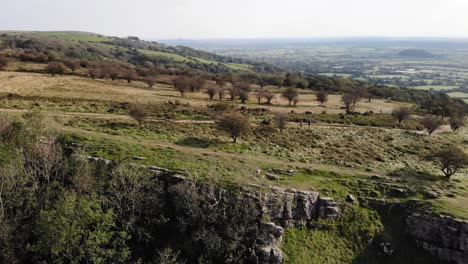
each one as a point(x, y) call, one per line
point(197, 142)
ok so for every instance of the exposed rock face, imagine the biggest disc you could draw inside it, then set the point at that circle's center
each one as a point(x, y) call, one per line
point(328, 209)
point(284, 208)
point(443, 237)
point(267, 248)
point(289, 207)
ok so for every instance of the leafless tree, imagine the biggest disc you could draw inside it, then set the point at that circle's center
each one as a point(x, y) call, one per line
point(55, 68)
point(212, 91)
point(322, 97)
point(290, 94)
point(281, 119)
point(269, 96)
point(150, 81)
point(182, 84)
point(139, 112)
point(347, 100)
point(431, 123)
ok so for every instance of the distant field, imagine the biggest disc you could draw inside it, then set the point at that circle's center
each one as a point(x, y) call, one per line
point(459, 95)
point(435, 87)
point(331, 74)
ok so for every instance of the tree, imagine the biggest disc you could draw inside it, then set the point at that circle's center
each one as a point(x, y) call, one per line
point(259, 96)
point(221, 93)
point(197, 83)
point(233, 92)
point(139, 113)
point(3, 62)
point(244, 96)
point(129, 75)
point(212, 91)
point(401, 114)
point(322, 97)
point(347, 100)
point(182, 84)
point(234, 124)
point(269, 96)
point(290, 94)
point(450, 160)
point(150, 81)
point(242, 90)
point(72, 64)
point(290, 80)
point(456, 123)
point(55, 68)
point(431, 123)
point(281, 119)
point(79, 230)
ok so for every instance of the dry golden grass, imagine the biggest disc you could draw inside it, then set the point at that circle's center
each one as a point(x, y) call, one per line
point(74, 87)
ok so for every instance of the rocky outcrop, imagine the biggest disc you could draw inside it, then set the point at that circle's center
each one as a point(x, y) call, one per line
point(443, 237)
point(289, 207)
point(282, 207)
point(267, 247)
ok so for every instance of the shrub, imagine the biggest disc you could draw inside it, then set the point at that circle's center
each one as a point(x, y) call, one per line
point(450, 160)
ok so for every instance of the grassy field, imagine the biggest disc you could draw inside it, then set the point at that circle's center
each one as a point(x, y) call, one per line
point(367, 156)
point(435, 87)
point(83, 89)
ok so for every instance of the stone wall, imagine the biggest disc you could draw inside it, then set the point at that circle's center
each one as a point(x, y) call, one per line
point(443, 237)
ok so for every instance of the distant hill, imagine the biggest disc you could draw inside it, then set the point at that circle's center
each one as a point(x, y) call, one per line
point(415, 53)
point(84, 45)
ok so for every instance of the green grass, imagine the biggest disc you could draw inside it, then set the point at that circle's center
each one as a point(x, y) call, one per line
point(435, 87)
point(458, 95)
point(180, 58)
point(65, 35)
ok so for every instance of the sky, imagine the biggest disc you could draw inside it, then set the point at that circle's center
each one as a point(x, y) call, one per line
point(199, 19)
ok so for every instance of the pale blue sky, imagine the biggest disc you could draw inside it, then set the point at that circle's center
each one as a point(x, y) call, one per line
point(241, 18)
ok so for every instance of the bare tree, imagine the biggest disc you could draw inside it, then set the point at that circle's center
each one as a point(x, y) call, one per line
point(139, 112)
point(431, 123)
point(259, 96)
point(234, 124)
point(322, 97)
point(221, 93)
point(3, 62)
point(212, 91)
point(290, 94)
point(244, 96)
point(281, 119)
point(401, 114)
point(55, 68)
point(182, 84)
point(150, 81)
point(197, 83)
point(269, 96)
point(129, 75)
point(456, 123)
point(450, 160)
point(72, 64)
point(347, 100)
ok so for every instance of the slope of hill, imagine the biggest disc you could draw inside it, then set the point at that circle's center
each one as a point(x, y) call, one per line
point(83, 45)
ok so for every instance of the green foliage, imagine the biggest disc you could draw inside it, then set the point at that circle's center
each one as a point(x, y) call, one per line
point(342, 242)
point(79, 230)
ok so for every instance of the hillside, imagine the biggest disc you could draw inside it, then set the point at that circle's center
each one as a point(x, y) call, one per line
point(119, 150)
point(83, 45)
